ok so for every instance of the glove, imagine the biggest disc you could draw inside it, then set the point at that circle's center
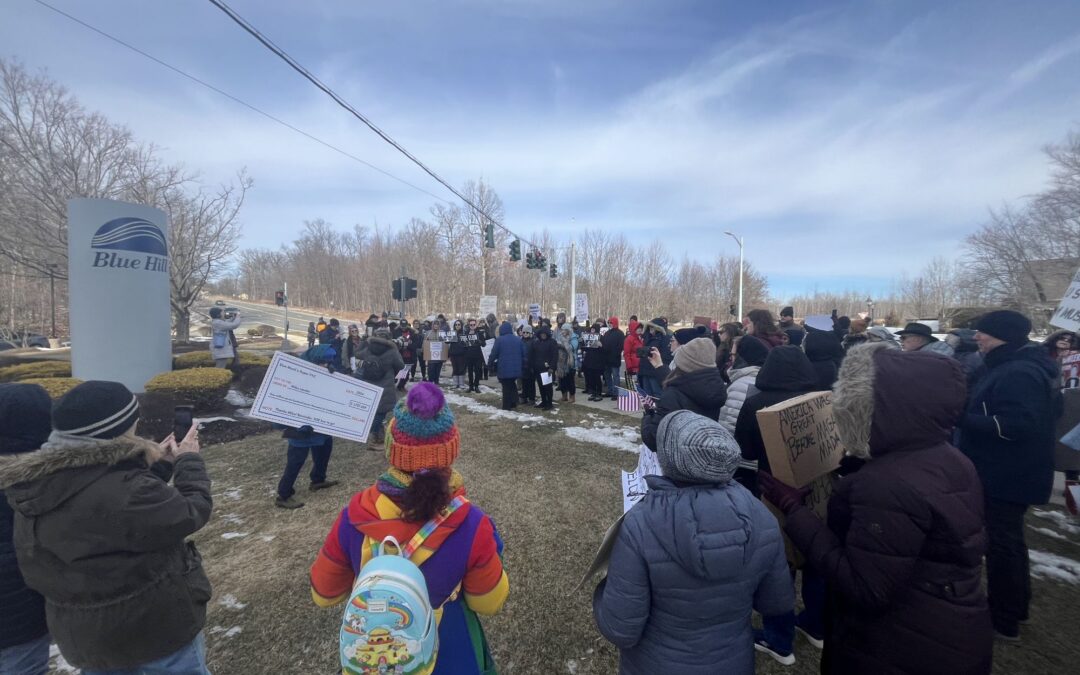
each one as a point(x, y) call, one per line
point(785, 497)
point(305, 431)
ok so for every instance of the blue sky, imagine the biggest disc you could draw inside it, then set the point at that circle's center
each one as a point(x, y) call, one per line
point(849, 142)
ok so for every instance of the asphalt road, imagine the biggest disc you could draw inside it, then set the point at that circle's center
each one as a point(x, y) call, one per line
point(253, 314)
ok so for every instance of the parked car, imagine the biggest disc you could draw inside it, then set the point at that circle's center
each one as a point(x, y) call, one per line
point(220, 303)
point(19, 339)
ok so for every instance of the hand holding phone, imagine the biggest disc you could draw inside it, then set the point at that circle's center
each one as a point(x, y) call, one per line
point(190, 442)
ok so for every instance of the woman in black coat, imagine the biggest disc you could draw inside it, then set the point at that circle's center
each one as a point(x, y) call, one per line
point(902, 550)
point(826, 353)
point(458, 349)
point(592, 362)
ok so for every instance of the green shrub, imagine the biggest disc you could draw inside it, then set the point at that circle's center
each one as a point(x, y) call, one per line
point(204, 388)
point(56, 386)
point(36, 370)
point(202, 359)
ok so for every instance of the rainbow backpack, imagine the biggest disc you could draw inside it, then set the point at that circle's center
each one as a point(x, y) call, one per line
point(389, 623)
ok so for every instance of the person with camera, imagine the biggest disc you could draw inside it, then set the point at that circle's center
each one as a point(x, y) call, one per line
point(657, 336)
point(222, 338)
point(101, 534)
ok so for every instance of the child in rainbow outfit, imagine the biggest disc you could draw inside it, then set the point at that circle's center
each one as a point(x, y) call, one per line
point(461, 559)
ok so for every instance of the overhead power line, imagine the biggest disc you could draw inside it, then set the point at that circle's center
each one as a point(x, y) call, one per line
point(236, 99)
point(295, 65)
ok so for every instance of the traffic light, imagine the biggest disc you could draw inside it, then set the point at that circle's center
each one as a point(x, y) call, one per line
point(515, 250)
point(539, 261)
point(490, 236)
point(530, 260)
point(410, 288)
point(279, 298)
point(732, 311)
point(554, 270)
point(397, 289)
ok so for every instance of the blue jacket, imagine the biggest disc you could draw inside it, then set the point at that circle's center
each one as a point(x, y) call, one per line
point(688, 565)
point(508, 354)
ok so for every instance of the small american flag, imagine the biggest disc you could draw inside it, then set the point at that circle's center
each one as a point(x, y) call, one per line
point(633, 401)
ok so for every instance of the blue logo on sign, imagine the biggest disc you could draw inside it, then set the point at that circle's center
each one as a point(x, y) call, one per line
point(131, 234)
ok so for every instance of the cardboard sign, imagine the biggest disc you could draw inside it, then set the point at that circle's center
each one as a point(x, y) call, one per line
point(800, 438)
point(603, 554)
point(633, 482)
point(703, 321)
point(1067, 314)
point(434, 351)
point(818, 500)
point(488, 305)
point(1070, 370)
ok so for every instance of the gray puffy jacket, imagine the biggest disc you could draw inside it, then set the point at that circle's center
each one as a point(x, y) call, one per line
point(688, 566)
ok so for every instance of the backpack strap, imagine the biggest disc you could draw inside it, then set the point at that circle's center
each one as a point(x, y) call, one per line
point(430, 526)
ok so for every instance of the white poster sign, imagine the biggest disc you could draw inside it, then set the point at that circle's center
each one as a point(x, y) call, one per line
point(486, 350)
point(534, 311)
point(435, 351)
point(633, 482)
point(581, 307)
point(545, 378)
point(1067, 314)
point(297, 393)
point(118, 273)
point(488, 305)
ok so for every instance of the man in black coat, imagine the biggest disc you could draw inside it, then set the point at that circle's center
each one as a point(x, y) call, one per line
point(1008, 433)
point(24, 637)
point(611, 343)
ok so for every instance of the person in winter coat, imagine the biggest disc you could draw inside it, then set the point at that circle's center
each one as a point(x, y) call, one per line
point(881, 334)
point(475, 337)
point(381, 350)
point(528, 376)
point(24, 636)
point(566, 342)
point(458, 349)
point(1060, 345)
point(303, 441)
point(544, 358)
point(100, 533)
point(592, 363)
point(312, 334)
point(352, 348)
point(507, 361)
point(491, 325)
point(760, 324)
point(725, 346)
point(331, 335)
point(461, 558)
point(657, 336)
point(856, 335)
point(611, 343)
point(631, 345)
point(421, 329)
point(966, 351)
point(694, 384)
point(691, 560)
point(1008, 433)
point(437, 333)
point(918, 337)
point(749, 356)
point(902, 547)
point(826, 353)
point(409, 346)
point(222, 339)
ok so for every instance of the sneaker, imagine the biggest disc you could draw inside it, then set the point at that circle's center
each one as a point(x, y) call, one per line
point(762, 646)
point(322, 486)
point(1007, 639)
point(818, 642)
point(290, 503)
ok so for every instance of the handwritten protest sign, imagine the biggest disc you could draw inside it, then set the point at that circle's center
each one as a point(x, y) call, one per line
point(434, 351)
point(1067, 314)
point(488, 305)
point(581, 307)
point(800, 438)
point(534, 311)
point(296, 393)
point(633, 482)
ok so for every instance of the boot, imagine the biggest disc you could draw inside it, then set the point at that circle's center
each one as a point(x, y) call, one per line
point(564, 398)
point(572, 398)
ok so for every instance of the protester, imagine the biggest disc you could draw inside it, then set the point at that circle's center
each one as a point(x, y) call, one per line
point(902, 549)
point(371, 324)
point(693, 384)
point(303, 441)
point(436, 333)
point(684, 335)
point(1008, 433)
point(882, 334)
point(787, 319)
point(528, 375)
point(461, 556)
point(1061, 344)
point(631, 345)
point(491, 326)
point(507, 361)
point(657, 336)
point(410, 342)
point(222, 338)
point(544, 359)
point(749, 356)
point(918, 336)
point(352, 347)
point(475, 336)
point(458, 348)
point(966, 351)
point(331, 335)
point(691, 560)
point(312, 334)
point(826, 353)
point(100, 534)
point(24, 637)
point(794, 336)
point(841, 326)
point(725, 346)
point(379, 363)
point(760, 324)
point(566, 370)
point(592, 363)
point(856, 335)
point(611, 343)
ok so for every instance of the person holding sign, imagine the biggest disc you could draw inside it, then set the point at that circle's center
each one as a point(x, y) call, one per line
point(543, 360)
point(435, 340)
point(691, 560)
point(475, 337)
point(902, 550)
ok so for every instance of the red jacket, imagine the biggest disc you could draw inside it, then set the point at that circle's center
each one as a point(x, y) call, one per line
point(630, 347)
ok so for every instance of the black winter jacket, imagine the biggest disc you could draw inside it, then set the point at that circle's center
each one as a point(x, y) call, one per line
point(1008, 427)
point(702, 392)
point(826, 353)
point(656, 335)
point(611, 343)
point(543, 352)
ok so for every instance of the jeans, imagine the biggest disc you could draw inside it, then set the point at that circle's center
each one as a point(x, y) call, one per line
point(611, 379)
point(434, 369)
point(190, 660)
point(29, 658)
point(546, 391)
point(509, 393)
point(780, 629)
point(297, 455)
point(1008, 581)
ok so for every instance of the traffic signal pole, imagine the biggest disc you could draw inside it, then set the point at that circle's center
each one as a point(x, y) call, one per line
point(403, 294)
point(285, 341)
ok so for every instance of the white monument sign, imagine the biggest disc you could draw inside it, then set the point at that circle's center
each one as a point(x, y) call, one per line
point(118, 288)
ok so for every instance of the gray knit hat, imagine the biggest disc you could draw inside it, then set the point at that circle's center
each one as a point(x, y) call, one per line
point(698, 354)
point(695, 449)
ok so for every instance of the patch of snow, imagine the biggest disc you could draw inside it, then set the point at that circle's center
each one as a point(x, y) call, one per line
point(268, 537)
point(627, 439)
point(238, 399)
point(1050, 566)
point(484, 389)
point(201, 422)
point(232, 494)
point(1049, 533)
point(232, 519)
point(1060, 519)
point(571, 666)
point(243, 412)
point(234, 535)
point(492, 412)
point(229, 601)
point(538, 478)
point(59, 664)
point(228, 632)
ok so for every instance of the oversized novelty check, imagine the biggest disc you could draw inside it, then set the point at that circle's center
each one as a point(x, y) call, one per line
point(297, 393)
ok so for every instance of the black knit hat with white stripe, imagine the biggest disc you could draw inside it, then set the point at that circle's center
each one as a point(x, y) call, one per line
point(96, 409)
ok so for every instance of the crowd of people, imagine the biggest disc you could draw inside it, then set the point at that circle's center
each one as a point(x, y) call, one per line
point(948, 442)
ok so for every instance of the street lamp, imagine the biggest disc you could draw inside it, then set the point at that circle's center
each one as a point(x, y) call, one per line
point(739, 241)
point(870, 307)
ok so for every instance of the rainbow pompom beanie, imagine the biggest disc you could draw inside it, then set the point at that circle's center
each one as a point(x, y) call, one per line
point(422, 433)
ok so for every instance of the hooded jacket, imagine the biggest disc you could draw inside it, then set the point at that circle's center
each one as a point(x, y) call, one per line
point(101, 536)
point(742, 381)
point(630, 346)
point(508, 354)
point(385, 353)
point(701, 391)
point(826, 354)
point(592, 352)
point(688, 565)
point(902, 550)
point(567, 351)
point(612, 344)
point(787, 373)
point(222, 327)
point(543, 352)
point(656, 335)
point(1008, 428)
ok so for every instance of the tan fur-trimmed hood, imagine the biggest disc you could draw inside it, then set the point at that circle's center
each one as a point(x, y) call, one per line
point(65, 452)
point(853, 399)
